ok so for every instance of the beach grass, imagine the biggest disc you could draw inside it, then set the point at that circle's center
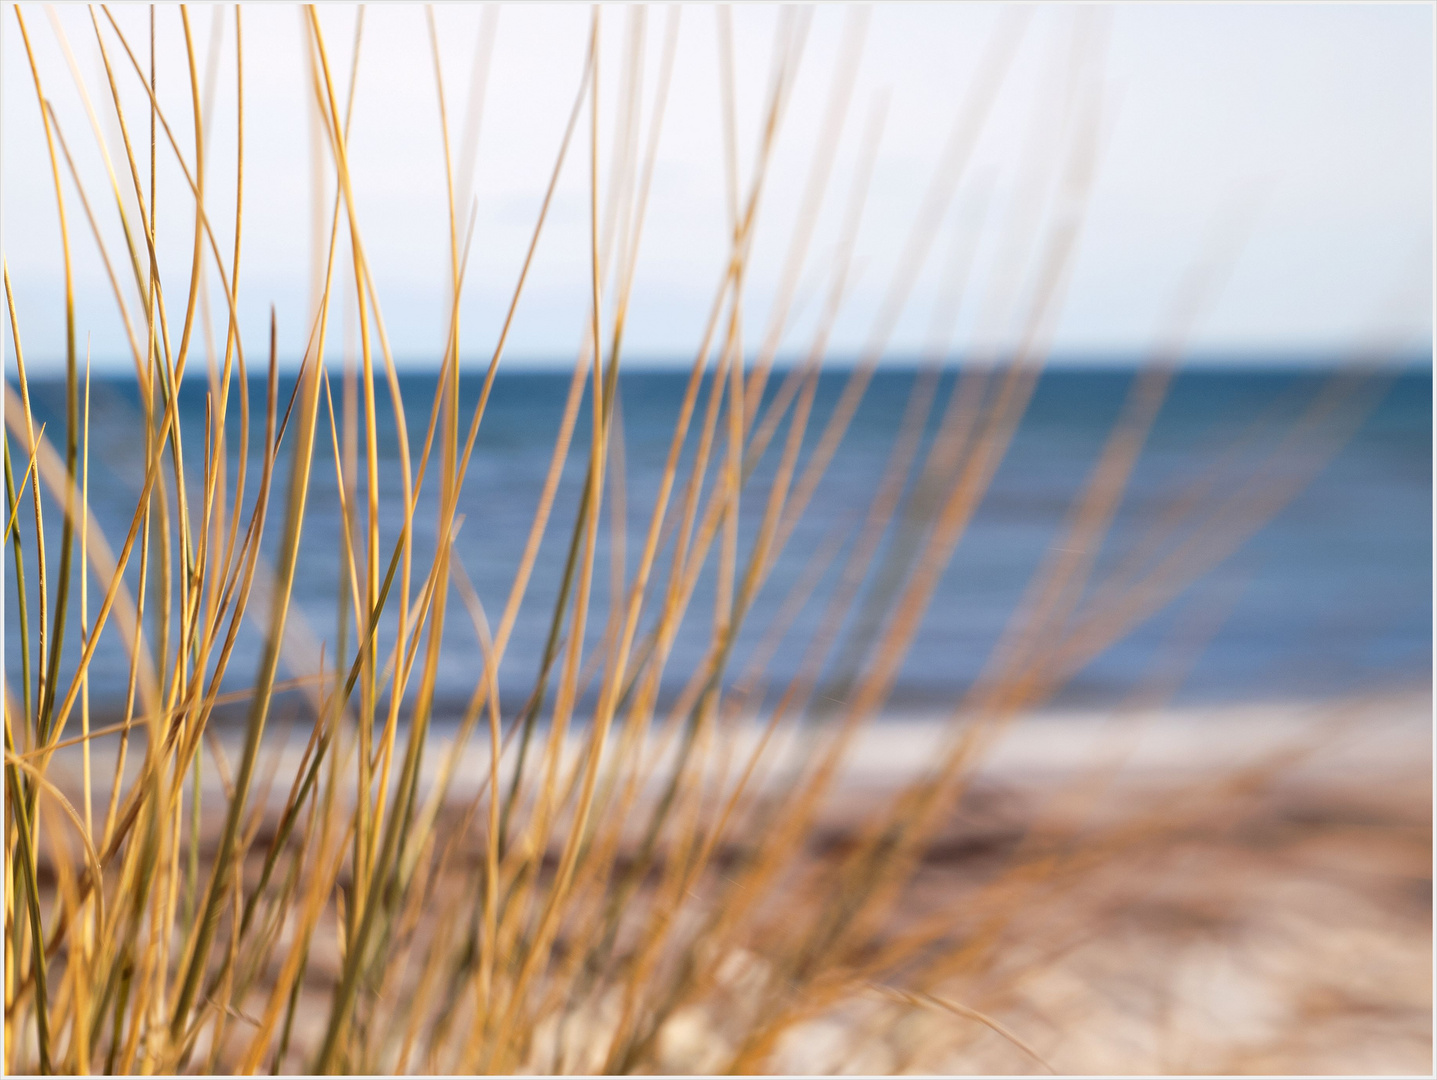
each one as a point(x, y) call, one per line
point(593, 878)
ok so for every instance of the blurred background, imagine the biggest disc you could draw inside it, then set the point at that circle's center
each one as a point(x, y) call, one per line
point(1314, 122)
point(1321, 114)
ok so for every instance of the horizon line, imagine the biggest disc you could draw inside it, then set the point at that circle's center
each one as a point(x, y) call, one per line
point(1085, 359)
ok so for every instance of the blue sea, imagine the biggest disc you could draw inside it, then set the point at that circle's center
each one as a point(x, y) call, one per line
point(1331, 593)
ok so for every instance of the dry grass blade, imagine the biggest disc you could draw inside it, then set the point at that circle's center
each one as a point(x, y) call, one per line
point(372, 775)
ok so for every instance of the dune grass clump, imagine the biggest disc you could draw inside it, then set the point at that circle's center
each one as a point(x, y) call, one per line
point(593, 878)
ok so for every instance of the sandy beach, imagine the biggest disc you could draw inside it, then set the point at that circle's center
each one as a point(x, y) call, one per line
point(1230, 889)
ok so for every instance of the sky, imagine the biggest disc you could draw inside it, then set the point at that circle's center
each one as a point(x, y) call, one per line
point(1296, 141)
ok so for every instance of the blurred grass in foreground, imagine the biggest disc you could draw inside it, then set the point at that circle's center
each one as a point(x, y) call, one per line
point(630, 889)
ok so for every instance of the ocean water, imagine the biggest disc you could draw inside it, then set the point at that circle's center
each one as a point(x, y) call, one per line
point(1329, 591)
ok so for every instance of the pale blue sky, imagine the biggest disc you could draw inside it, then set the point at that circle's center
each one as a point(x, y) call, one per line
point(1322, 113)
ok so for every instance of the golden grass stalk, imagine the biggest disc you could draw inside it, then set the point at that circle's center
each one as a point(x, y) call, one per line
point(576, 897)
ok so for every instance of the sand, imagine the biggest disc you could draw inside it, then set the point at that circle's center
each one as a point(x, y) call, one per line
point(1266, 906)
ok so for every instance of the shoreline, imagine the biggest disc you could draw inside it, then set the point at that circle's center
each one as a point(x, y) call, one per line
point(1361, 735)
